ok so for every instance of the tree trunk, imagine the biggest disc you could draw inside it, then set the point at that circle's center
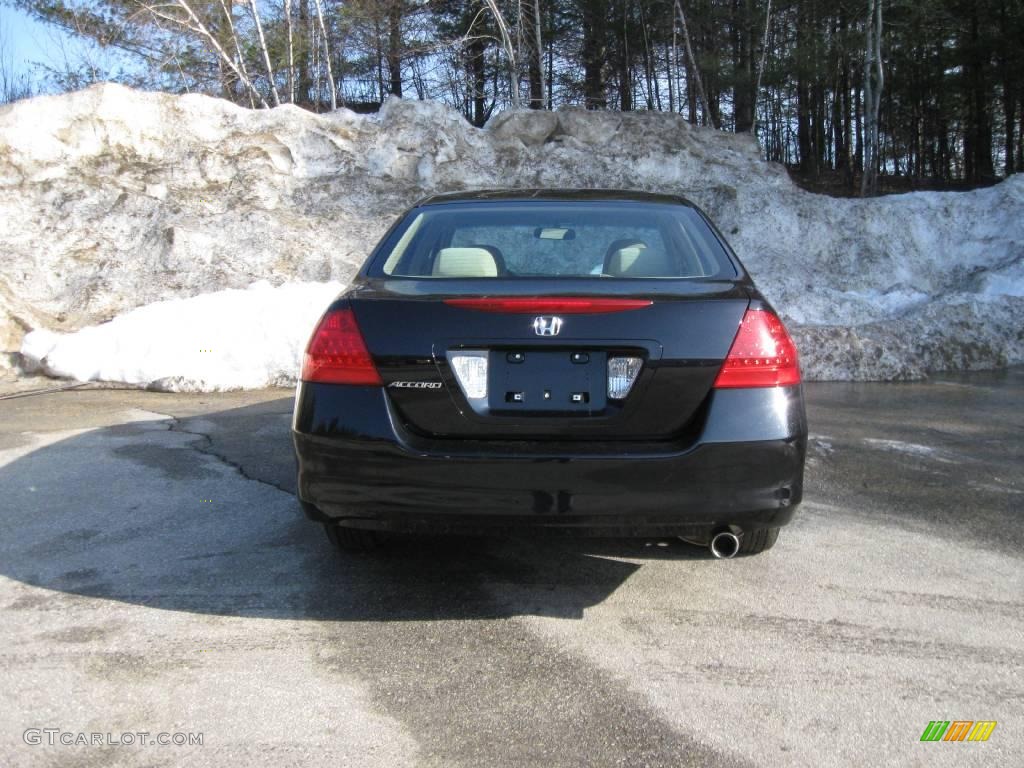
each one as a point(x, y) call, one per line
point(691, 93)
point(874, 80)
point(978, 134)
point(378, 55)
point(593, 54)
point(204, 31)
point(536, 78)
point(1009, 92)
point(804, 99)
point(511, 59)
point(841, 155)
point(229, 18)
point(305, 84)
point(327, 56)
point(395, 47)
point(1009, 113)
point(625, 65)
point(693, 76)
point(536, 61)
point(1020, 142)
point(858, 129)
point(804, 131)
point(670, 74)
point(743, 93)
point(291, 50)
point(477, 65)
point(551, 54)
point(652, 93)
point(266, 53)
point(760, 66)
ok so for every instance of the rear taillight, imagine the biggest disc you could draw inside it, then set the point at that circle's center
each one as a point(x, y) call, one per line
point(337, 354)
point(762, 354)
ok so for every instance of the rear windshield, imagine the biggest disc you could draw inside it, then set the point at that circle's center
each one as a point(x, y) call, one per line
point(554, 239)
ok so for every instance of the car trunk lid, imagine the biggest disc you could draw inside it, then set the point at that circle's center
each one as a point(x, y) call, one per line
point(547, 360)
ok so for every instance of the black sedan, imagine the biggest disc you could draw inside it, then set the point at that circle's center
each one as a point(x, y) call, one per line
point(583, 360)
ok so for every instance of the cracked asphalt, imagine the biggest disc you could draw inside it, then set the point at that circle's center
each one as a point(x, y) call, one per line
point(156, 576)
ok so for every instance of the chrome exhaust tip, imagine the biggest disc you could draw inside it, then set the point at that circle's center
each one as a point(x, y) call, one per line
point(724, 545)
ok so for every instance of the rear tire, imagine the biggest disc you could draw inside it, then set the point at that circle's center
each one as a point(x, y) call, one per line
point(758, 541)
point(309, 510)
point(351, 539)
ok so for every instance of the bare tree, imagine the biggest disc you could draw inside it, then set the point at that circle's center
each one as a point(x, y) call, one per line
point(266, 53)
point(760, 66)
point(327, 55)
point(696, 70)
point(510, 49)
point(192, 22)
point(538, 47)
point(238, 47)
point(673, 74)
point(874, 80)
point(291, 50)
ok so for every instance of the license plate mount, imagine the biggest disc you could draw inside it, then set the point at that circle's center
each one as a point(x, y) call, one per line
point(568, 381)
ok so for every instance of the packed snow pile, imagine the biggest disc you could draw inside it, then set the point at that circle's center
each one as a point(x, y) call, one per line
point(116, 200)
point(222, 340)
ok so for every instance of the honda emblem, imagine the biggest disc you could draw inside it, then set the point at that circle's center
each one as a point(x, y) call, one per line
point(547, 326)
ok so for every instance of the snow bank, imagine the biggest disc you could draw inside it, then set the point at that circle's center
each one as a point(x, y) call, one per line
point(232, 339)
point(113, 199)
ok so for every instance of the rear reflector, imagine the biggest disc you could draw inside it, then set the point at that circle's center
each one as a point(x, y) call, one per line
point(622, 372)
point(470, 368)
point(532, 304)
point(762, 354)
point(337, 354)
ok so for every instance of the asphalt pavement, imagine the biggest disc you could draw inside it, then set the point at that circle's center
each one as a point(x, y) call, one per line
point(156, 576)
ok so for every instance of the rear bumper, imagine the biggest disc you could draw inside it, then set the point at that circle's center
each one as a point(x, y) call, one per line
point(359, 467)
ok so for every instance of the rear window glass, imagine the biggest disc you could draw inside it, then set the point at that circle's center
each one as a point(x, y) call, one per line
point(554, 239)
